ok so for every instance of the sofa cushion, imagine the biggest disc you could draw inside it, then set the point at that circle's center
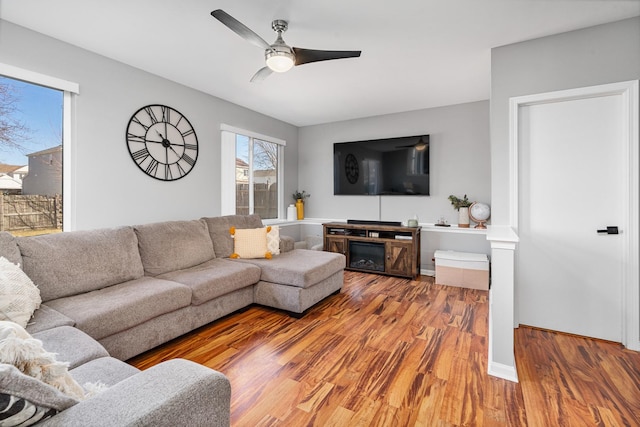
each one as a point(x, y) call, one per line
point(47, 318)
point(9, 248)
point(287, 243)
point(219, 230)
point(173, 245)
point(25, 400)
point(104, 370)
point(71, 345)
point(19, 297)
point(70, 263)
point(214, 278)
point(300, 267)
point(119, 307)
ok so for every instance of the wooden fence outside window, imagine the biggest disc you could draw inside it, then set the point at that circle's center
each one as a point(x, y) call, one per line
point(265, 199)
point(33, 212)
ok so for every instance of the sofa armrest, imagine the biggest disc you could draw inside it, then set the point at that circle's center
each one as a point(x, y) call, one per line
point(286, 243)
point(175, 392)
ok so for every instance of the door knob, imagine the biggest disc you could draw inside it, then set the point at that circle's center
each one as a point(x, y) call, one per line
point(609, 230)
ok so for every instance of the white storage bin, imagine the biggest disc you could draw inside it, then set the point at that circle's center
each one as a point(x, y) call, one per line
point(462, 269)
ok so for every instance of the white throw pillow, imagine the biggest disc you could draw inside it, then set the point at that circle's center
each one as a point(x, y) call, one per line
point(273, 240)
point(28, 355)
point(19, 297)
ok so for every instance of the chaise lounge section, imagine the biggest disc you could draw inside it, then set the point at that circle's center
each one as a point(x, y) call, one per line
point(292, 281)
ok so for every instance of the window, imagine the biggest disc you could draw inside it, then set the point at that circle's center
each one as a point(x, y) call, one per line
point(40, 108)
point(252, 173)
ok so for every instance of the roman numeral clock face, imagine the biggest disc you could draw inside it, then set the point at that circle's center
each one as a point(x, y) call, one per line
point(162, 142)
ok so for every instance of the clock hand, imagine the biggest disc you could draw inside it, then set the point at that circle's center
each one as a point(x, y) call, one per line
point(173, 151)
point(165, 141)
point(151, 140)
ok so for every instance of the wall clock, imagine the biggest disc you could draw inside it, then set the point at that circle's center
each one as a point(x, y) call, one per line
point(162, 142)
point(351, 168)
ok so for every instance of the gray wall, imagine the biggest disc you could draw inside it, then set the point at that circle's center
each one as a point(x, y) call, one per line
point(459, 138)
point(592, 56)
point(460, 164)
point(110, 189)
point(597, 55)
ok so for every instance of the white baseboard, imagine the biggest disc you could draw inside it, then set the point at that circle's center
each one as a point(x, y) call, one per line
point(503, 371)
point(635, 346)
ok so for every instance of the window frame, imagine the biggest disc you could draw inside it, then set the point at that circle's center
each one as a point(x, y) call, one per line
point(228, 167)
point(70, 90)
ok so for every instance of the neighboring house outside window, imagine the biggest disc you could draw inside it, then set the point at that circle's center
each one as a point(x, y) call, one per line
point(11, 178)
point(256, 186)
point(45, 173)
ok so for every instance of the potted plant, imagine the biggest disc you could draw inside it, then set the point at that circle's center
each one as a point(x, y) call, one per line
point(299, 197)
point(462, 206)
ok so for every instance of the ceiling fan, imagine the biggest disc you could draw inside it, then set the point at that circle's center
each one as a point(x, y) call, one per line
point(279, 56)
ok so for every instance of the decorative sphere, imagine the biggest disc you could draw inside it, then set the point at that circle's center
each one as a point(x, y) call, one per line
point(479, 212)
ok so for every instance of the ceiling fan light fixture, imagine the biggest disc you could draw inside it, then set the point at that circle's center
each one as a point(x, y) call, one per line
point(279, 60)
point(279, 56)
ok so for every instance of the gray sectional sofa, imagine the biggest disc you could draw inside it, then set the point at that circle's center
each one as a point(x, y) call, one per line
point(111, 294)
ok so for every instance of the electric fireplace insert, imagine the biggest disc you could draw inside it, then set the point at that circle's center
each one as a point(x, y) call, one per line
point(366, 255)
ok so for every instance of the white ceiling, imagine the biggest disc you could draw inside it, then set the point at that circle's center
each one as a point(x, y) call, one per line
point(415, 53)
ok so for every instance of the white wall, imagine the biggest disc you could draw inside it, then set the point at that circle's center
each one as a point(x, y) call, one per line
point(110, 189)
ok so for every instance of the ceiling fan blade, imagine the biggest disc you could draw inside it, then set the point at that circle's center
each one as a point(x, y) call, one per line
point(305, 56)
point(262, 74)
point(240, 29)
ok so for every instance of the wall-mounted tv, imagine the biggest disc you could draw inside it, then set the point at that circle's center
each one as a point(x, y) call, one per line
point(390, 166)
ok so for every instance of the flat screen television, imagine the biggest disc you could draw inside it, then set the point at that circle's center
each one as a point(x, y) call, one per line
point(390, 166)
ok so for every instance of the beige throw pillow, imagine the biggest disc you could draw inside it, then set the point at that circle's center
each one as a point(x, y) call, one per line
point(19, 297)
point(250, 242)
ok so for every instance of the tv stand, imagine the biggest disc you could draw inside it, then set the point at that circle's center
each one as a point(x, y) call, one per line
point(376, 248)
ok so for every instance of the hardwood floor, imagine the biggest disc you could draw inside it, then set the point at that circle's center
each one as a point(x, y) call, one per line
point(396, 352)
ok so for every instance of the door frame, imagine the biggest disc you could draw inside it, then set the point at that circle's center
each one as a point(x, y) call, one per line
point(630, 304)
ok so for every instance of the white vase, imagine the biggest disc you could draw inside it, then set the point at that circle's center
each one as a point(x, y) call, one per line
point(291, 213)
point(463, 218)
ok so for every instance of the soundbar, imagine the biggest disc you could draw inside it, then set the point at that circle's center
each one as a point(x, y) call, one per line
point(371, 222)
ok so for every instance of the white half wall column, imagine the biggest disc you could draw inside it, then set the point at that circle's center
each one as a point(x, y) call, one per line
point(502, 361)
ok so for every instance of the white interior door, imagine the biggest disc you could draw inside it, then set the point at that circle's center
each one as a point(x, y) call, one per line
point(571, 184)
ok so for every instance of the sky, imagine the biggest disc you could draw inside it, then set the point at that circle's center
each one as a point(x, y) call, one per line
point(40, 109)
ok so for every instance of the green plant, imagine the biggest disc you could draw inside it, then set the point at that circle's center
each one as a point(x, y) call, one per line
point(459, 203)
point(301, 195)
